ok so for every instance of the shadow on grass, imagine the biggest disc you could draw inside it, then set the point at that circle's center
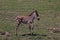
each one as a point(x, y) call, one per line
point(33, 34)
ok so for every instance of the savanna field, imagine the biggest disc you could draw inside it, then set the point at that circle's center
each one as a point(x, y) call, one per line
point(49, 11)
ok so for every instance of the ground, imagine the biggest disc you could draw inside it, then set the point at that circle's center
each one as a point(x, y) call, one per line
point(49, 11)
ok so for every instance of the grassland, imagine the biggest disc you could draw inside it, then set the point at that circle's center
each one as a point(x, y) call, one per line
point(49, 11)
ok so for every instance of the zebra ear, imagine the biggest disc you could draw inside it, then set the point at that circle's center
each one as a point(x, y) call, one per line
point(35, 10)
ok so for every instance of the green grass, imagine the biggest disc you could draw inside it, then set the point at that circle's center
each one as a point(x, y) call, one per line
point(49, 11)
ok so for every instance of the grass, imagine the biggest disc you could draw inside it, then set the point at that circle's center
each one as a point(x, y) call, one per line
point(49, 11)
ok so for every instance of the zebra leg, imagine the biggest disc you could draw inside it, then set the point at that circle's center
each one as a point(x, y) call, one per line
point(31, 28)
point(17, 27)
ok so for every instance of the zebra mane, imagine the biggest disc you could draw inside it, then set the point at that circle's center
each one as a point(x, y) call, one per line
point(33, 12)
